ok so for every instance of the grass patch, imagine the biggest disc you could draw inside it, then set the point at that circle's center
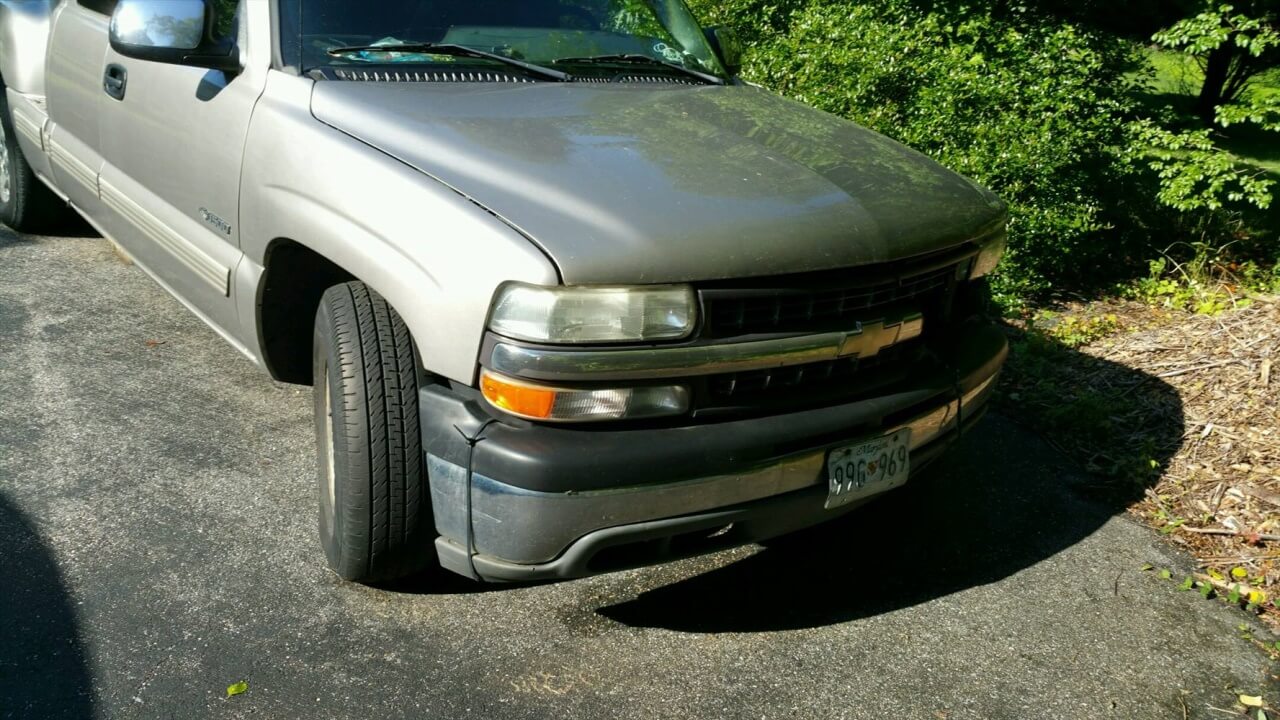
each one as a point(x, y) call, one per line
point(1258, 146)
point(1179, 74)
point(1176, 84)
point(1175, 73)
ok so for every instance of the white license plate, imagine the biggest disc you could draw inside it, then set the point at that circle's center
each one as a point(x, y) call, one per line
point(868, 468)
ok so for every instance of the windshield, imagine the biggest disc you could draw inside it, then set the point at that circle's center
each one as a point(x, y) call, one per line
point(560, 33)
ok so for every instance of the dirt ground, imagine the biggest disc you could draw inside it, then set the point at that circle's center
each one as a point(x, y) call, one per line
point(1180, 414)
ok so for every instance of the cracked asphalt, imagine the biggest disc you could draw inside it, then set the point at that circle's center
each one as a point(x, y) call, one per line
point(157, 543)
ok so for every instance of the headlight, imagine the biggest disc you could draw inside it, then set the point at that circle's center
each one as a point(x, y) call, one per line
point(989, 257)
point(583, 315)
point(541, 402)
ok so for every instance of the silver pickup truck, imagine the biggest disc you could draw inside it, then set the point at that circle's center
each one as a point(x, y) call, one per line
point(573, 297)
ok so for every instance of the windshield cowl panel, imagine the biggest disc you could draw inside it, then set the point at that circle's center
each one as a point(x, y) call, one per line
point(540, 33)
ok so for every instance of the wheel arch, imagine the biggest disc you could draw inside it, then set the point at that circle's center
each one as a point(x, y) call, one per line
point(293, 280)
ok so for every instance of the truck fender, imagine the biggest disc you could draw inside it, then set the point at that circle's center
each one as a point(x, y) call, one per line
point(434, 254)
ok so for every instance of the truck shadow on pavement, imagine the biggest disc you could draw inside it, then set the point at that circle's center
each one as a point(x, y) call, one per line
point(44, 670)
point(1001, 501)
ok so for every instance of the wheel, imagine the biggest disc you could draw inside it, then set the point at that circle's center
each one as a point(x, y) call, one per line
point(26, 205)
point(375, 515)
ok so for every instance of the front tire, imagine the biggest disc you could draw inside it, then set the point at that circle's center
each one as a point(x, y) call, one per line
point(26, 205)
point(375, 517)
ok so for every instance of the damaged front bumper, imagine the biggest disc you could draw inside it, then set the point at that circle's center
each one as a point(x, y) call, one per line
point(516, 501)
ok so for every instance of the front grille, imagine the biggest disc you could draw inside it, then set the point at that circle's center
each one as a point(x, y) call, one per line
point(822, 383)
point(830, 301)
point(811, 310)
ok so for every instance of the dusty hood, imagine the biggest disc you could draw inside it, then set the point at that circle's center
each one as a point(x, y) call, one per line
point(627, 183)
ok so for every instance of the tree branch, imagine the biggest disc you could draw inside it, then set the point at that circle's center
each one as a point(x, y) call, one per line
point(1230, 533)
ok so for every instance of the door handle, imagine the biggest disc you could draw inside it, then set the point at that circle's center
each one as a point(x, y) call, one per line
point(115, 80)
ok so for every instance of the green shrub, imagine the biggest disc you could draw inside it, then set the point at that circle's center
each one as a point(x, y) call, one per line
point(1034, 110)
point(754, 20)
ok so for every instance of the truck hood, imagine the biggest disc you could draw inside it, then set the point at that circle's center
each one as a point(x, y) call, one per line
point(656, 184)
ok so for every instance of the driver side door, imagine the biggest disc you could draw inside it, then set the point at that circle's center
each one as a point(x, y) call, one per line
point(173, 141)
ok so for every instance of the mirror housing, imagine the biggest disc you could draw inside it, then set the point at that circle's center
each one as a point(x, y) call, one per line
point(174, 32)
point(725, 41)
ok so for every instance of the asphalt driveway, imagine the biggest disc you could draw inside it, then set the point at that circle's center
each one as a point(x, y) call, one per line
point(157, 544)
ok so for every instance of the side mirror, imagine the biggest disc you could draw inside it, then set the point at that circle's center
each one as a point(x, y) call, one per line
point(728, 46)
point(175, 32)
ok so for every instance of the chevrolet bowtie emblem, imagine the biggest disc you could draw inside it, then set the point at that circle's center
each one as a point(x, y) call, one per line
point(873, 337)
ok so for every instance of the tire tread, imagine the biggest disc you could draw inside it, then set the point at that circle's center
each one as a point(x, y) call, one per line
point(383, 537)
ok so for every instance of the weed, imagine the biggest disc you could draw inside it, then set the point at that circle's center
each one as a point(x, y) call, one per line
point(1074, 332)
point(1211, 282)
point(1089, 414)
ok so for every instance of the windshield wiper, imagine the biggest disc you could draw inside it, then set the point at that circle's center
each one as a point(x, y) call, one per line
point(638, 59)
point(454, 51)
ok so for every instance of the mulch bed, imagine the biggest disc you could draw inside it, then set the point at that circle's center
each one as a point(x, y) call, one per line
point(1180, 415)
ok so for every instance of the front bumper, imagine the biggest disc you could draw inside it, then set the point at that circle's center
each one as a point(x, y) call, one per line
point(520, 501)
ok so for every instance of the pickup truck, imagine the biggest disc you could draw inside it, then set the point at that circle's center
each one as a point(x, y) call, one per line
point(572, 296)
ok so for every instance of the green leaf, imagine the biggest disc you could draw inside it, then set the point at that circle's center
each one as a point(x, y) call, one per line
point(1239, 573)
point(1233, 597)
point(237, 688)
point(1206, 590)
point(1147, 566)
point(1187, 584)
point(1166, 574)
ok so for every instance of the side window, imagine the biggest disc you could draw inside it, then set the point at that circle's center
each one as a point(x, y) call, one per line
point(104, 7)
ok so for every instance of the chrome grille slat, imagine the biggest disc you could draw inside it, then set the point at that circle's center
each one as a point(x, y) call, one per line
point(796, 310)
point(829, 301)
point(746, 387)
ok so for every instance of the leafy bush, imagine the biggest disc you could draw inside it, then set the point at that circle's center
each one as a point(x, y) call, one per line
point(754, 20)
point(1037, 108)
point(1195, 174)
point(1034, 110)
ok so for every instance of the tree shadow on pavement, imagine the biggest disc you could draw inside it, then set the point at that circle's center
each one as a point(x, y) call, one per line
point(1001, 501)
point(44, 672)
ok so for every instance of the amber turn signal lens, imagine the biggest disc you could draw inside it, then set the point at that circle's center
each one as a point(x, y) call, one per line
point(517, 398)
point(568, 405)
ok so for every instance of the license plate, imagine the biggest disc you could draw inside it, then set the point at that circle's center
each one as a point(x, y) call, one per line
point(868, 468)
